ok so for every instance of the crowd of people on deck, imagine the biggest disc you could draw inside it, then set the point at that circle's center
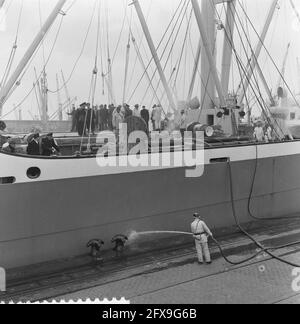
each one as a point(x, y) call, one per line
point(36, 145)
point(88, 120)
point(263, 132)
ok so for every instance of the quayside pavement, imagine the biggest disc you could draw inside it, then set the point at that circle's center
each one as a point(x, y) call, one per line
point(172, 275)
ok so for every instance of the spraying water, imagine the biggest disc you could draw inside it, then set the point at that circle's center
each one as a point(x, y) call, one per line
point(135, 235)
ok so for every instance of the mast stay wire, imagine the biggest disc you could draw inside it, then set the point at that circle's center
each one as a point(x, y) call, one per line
point(173, 44)
point(241, 67)
point(201, 80)
point(259, 97)
point(271, 58)
point(139, 56)
point(13, 50)
point(93, 85)
point(168, 57)
point(63, 14)
point(243, 71)
point(80, 53)
point(6, 11)
point(181, 4)
point(40, 15)
point(183, 48)
point(184, 10)
point(115, 51)
point(26, 69)
point(127, 58)
point(139, 46)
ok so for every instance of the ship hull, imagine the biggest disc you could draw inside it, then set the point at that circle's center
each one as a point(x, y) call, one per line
point(55, 218)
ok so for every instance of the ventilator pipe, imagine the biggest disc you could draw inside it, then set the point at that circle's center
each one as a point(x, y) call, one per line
point(197, 127)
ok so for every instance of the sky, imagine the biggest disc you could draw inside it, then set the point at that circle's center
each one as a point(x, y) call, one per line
point(115, 18)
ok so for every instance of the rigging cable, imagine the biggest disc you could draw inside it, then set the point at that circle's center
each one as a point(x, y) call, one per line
point(169, 40)
point(26, 69)
point(181, 4)
point(13, 50)
point(243, 72)
point(81, 52)
point(127, 62)
point(139, 56)
point(90, 113)
point(269, 54)
point(183, 48)
point(259, 97)
point(5, 12)
point(139, 46)
point(170, 52)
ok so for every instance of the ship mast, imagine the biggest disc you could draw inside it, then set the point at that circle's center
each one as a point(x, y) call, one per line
point(282, 74)
point(207, 29)
point(227, 46)
point(298, 74)
point(60, 115)
point(154, 54)
point(5, 91)
point(195, 70)
point(253, 63)
point(208, 66)
point(66, 91)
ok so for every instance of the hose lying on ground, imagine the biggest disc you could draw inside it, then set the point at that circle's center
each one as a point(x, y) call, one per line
point(258, 244)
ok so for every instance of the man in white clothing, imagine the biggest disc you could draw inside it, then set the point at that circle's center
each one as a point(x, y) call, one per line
point(136, 111)
point(158, 117)
point(201, 233)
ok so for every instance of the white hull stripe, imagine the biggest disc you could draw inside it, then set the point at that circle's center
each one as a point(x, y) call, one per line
point(56, 169)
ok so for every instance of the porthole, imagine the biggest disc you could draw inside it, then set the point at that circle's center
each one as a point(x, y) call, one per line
point(33, 173)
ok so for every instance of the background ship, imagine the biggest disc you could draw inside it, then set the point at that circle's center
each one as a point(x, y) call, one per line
point(51, 207)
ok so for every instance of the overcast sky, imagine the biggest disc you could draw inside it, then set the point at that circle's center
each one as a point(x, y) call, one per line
point(284, 29)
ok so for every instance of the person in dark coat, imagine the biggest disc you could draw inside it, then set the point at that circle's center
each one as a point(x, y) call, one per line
point(33, 147)
point(127, 111)
point(91, 120)
point(145, 115)
point(110, 117)
point(103, 118)
point(49, 145)
point(82, 120)
point(74, 116)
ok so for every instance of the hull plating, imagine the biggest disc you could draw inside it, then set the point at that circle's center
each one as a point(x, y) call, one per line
point(45, 220)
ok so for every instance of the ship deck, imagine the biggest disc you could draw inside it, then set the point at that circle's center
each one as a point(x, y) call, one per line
point(165, 274)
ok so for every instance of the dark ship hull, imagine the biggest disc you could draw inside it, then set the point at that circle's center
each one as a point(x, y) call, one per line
point(74, 200)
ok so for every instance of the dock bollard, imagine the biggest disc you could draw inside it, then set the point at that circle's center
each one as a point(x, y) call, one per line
point(95, 246)
point(119, 241)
